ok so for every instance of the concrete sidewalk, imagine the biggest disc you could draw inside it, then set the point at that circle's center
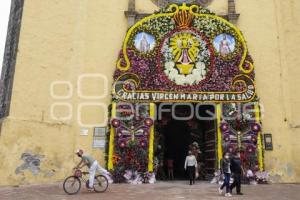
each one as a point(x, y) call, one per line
point(159, 191)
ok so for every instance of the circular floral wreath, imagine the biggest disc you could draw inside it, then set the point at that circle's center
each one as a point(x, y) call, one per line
point(201, 67)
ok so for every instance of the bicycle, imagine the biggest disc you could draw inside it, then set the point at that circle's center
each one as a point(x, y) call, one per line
point(72, 184)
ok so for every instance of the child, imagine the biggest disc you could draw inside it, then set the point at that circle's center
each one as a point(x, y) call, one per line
point(170, 165)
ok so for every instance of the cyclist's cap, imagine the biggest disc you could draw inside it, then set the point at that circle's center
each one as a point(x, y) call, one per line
point(78, 151)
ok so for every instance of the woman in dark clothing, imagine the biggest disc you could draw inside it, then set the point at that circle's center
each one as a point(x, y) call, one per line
point(225, 169)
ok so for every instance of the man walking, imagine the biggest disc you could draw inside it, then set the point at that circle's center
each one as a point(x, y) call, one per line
point(237, 170)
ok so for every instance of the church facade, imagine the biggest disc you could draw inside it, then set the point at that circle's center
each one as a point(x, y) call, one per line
point(111, 78)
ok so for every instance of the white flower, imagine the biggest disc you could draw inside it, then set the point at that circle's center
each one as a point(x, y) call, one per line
point(178, 81)
point(197, 75)
point(200, 65)
point(191, 79)
point(197, 71)
point(173, 74)
point(169, 65)
point(190, 76)
point(203, 72)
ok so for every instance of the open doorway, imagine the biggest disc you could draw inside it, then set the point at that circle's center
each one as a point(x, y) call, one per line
point(180, 129)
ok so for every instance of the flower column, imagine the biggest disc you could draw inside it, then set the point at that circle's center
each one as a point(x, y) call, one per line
point(219, 134)
point(259, 140)
point(151, 138)
point(111, 138)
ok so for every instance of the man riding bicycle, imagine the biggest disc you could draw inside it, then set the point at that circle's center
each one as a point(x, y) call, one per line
point(93, 165)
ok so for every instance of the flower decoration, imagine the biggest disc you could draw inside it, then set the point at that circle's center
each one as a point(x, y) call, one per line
point(224, 127)
point(184, 59)
point(251, 149)
point(226, 138)
point(146, 133)
point(148, 122)
point(256, 127)
point(119, 134)
point(178, 51)
point(254, 139)
point(262, 177)
point(143, 143)
point(122, 144)
point(131, 141)
point(115, 123)
point(128, 85)
point(231, 149)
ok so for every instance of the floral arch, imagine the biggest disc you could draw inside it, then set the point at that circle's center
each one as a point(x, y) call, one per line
point(182, 53)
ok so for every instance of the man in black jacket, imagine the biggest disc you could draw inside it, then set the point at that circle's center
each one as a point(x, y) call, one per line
point(237, 170)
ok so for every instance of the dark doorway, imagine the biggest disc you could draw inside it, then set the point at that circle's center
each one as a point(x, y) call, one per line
point(175, 137)
point(177, 141)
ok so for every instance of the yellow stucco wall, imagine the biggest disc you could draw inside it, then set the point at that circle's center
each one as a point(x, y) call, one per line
point(273, 39)
point(59, 41)
point(62, 40)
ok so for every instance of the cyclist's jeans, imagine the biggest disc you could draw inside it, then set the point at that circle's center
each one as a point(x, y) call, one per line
point(92, 171)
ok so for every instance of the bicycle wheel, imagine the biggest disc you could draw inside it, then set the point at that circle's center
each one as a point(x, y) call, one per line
point(72, 185)
point(100, 183)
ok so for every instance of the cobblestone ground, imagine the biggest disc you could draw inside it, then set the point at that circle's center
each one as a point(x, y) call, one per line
point(160, 191)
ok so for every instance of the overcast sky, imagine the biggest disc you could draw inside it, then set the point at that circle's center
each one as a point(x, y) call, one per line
point(4, 16)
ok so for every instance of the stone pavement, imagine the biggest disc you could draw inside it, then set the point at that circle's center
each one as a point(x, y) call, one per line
point(177, 190)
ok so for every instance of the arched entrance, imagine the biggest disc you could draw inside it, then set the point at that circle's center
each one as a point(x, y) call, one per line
point(183, 53)
point(182, 128)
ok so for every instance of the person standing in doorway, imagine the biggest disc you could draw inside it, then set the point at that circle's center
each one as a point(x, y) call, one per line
point(170, 166)
point(237, 171)
point(225, 169)
point(190, 165)
point(196, 152)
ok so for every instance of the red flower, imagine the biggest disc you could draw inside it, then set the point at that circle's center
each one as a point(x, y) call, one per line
point(148, 122)
point(115, 123)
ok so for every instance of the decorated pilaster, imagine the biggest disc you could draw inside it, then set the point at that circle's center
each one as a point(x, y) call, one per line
point(151, 139)
point(259, 140)
point(219, 135)
point(111, 139)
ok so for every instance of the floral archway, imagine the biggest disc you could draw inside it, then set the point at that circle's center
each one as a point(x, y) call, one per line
point(182, 53)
